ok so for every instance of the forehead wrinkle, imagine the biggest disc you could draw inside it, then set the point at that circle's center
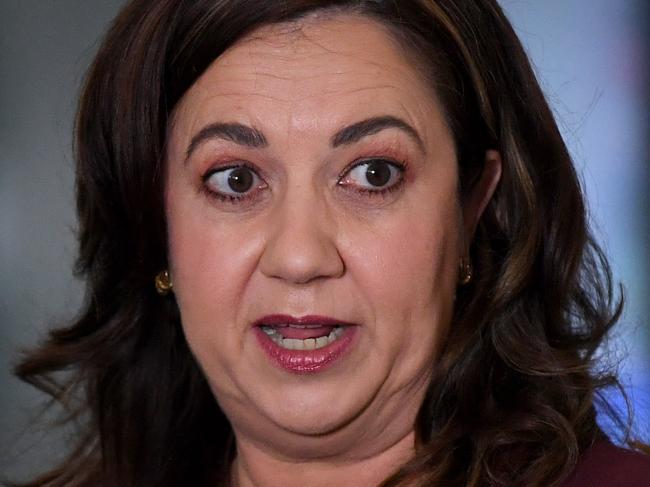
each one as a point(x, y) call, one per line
point(306, 32)
point(278, 42)
point(333, 92)
point(264, 66)
point(304, 74)
point(298, 70)
point(235, 94)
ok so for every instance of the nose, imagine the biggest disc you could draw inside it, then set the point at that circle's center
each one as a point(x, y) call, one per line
point(301, 244)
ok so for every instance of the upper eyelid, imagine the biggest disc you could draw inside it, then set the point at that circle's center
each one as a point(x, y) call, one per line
point(260, 173)
point(401, 166)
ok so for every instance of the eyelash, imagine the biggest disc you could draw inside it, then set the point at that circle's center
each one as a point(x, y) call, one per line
point(401, 166)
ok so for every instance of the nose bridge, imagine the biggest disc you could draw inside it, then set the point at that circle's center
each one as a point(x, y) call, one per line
point(301, 242)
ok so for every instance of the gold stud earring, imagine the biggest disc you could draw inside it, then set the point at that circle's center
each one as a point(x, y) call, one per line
point(466, 272)
point(163, 283)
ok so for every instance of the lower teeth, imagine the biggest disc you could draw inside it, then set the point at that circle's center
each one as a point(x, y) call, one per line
point(307, 344)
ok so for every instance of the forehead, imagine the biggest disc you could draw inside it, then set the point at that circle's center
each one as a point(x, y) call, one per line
point(317, 71)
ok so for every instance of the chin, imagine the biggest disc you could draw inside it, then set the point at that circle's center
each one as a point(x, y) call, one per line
point(316, 409)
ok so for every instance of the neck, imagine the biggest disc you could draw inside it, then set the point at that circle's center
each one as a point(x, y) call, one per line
point(255, 467)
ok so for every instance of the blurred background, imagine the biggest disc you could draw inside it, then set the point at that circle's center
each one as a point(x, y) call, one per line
point(591, 57)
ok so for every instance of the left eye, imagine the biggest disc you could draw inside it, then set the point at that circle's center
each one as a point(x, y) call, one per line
point(373, 174)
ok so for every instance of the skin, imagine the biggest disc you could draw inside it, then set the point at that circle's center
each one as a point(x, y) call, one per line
point(309, 241)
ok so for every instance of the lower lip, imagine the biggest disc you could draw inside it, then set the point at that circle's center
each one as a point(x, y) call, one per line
point(307, 361)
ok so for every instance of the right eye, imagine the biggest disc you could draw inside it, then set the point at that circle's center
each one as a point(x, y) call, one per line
point(232, 183)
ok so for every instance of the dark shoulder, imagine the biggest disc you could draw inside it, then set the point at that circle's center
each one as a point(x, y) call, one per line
point(607, 465)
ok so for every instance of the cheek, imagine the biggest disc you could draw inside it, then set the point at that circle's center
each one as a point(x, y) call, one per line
point(203, 263)
point(210, 265)
point(409, 274)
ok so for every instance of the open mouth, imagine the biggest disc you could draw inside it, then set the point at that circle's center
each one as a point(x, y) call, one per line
point(303, 337)
point(305, 344)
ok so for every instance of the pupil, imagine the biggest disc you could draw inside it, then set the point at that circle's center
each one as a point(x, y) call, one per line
point(240, 180)
point(378, 173)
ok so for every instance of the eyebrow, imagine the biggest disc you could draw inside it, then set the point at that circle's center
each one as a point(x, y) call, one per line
point(235, 132)
point(253, 138)
point(357, 131)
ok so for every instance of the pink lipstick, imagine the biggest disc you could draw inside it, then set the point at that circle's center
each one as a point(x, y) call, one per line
point(307, 344)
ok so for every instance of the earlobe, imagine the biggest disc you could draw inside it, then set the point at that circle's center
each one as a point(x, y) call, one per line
point(481, 192)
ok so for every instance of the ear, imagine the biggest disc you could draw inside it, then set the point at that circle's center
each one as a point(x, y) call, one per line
point(481, 192)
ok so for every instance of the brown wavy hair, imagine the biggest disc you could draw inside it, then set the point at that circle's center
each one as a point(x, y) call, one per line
point(512, 399)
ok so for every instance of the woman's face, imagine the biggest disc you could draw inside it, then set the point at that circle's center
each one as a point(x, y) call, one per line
point(311, 198)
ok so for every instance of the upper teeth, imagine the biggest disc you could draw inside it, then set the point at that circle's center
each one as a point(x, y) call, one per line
point(307, 344)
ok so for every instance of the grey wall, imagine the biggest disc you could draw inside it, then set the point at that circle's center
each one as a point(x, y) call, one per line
point(45, 46)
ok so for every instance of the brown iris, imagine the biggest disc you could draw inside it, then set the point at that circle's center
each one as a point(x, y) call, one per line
point(240, 180)
point(378, 173)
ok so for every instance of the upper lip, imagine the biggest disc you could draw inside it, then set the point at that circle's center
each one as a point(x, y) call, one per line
point(281, 319)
